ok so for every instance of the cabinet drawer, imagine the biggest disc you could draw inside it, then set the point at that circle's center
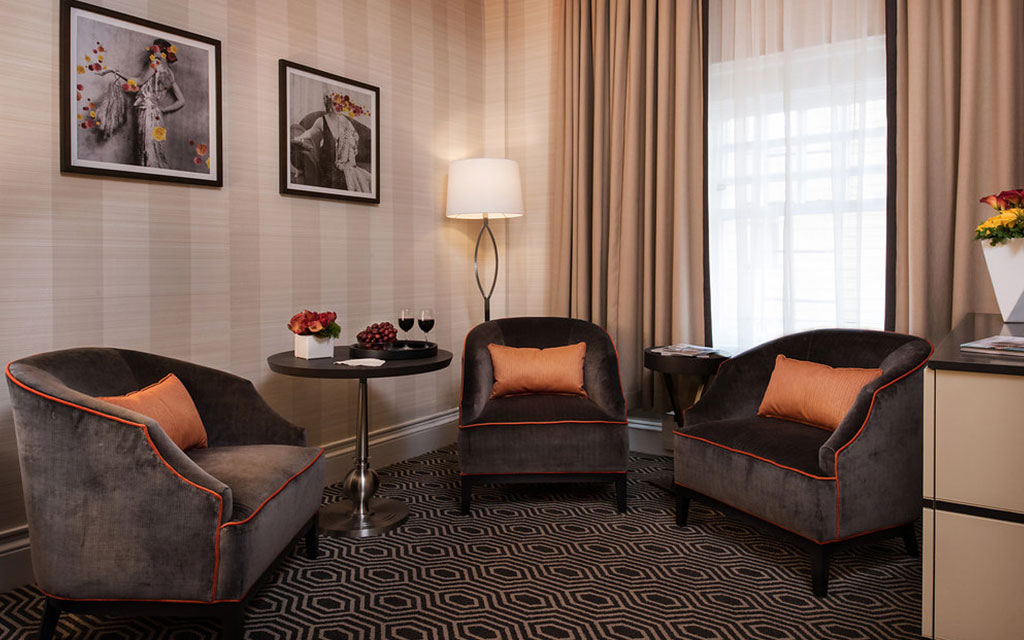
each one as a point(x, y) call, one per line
point(977, 571)
point(979, 439)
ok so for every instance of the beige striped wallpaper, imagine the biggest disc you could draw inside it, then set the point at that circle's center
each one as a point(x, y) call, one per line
point(212, 275)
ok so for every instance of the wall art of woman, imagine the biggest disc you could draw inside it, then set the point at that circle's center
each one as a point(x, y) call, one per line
point(325, 153)
point(153, 95)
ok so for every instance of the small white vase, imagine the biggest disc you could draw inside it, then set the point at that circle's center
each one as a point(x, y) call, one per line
point(312, 347)
point(1006, 270)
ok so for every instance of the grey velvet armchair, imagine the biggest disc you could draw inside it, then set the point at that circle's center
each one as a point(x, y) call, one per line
point(861, 481)
point(122, 521)
point(542, 437)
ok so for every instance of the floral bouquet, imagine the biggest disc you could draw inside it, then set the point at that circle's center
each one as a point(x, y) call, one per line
point(1008, 223)
point(311, 323)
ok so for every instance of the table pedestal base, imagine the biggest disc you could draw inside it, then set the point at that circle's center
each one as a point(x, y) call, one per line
point(340, 518)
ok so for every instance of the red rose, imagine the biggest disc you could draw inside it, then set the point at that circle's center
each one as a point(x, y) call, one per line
point(297, 324)
point(315, 326)
point(1012, 197)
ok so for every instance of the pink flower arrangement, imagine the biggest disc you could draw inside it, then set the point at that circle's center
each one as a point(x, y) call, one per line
point(312, 323)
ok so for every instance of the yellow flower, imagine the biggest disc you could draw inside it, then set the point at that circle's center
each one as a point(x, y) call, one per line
point(99, 58)
point(92, 114)
point(88, 59)
point(172, 49)
point(132, 81)
point(80, 69)
point(207, 163)
point(159, 133)
point(152, 57)
point(79, 116)
point(163, 55)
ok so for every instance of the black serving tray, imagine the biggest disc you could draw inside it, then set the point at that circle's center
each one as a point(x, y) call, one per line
point(398, 350)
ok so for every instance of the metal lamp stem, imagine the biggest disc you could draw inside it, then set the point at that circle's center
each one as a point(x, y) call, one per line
point(476, 267)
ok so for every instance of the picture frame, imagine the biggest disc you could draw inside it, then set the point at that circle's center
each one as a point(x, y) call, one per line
point(344, 165)
point(139, 99)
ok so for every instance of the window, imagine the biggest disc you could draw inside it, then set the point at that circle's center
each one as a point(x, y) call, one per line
point(796, 169)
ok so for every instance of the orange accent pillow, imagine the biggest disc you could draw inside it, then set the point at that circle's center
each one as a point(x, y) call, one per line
point(813, 394)
point(169, 403)
point(528, 370)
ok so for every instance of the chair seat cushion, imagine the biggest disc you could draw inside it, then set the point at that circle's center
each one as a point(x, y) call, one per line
point(542, 408)
point(254, 472)
point(785, 443)
point(276, 490)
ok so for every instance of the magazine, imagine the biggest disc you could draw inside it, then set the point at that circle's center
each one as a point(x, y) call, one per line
point(996, 345)
point(691, 350)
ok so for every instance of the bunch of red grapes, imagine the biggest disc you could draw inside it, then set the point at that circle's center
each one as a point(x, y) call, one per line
point(377, 336)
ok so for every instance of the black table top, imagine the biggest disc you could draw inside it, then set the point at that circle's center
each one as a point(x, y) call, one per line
point(973, 327)
point(682, 365)
point(286, 363)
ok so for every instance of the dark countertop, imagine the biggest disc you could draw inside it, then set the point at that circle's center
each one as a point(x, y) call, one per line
point(973, 327)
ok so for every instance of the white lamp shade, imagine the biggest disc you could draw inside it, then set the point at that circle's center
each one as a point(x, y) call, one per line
point(484, 187)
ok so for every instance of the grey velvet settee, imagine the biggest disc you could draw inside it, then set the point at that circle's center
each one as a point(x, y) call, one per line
point(861, 481)
point(542, 437)
point(122, 521)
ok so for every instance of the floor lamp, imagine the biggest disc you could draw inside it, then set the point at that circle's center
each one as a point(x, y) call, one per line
point(482, 189)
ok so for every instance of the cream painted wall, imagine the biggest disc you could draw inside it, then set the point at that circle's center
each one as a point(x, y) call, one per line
point(212, 275)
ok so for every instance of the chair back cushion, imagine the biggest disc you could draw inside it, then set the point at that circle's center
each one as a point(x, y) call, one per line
point(529, 370)
point(169, 403)
point(811, 393)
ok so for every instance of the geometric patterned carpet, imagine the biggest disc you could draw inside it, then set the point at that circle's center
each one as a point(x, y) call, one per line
point(546, 562)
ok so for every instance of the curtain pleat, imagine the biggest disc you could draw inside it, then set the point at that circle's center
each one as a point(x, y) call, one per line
point(629, 251)
point(960, 136)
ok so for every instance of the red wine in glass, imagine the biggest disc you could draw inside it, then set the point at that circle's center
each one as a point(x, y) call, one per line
point(405, 321)
point(426, 322)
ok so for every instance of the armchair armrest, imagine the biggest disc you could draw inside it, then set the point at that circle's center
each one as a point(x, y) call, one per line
point(233, 411)
point(477, 371)
point(889, 403)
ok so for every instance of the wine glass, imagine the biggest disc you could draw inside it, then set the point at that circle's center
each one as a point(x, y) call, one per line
point(426, 322)
point(406, 320)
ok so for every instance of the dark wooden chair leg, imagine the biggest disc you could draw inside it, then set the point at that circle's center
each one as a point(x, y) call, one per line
point(467, 495)
point(620, 493)
point(51, 614)
point(682, 507)
point(312, 539)
point(819, 570)
point(233, 622)
point(910, 540)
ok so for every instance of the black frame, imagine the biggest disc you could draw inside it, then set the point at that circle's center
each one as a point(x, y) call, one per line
point(285, 140)
point(66, 122)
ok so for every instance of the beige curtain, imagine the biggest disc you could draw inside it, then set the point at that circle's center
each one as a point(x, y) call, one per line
point(960, 136)
point(629, 245)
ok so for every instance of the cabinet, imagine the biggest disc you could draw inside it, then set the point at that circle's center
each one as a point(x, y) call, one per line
point(973, 506)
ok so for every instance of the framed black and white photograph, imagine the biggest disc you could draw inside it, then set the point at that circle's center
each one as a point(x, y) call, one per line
point(330, 135)
point(138, 99)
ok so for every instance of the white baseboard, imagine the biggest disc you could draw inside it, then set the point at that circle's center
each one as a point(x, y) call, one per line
point(394, 444)
point(645, 436)
point(387, 445)
point(15, 559)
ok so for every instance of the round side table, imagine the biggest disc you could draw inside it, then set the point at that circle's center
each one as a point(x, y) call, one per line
point(701, 367)
point(361, 515)
point(668, 365)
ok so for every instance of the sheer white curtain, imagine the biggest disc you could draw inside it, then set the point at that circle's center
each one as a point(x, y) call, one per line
point(796, 167)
